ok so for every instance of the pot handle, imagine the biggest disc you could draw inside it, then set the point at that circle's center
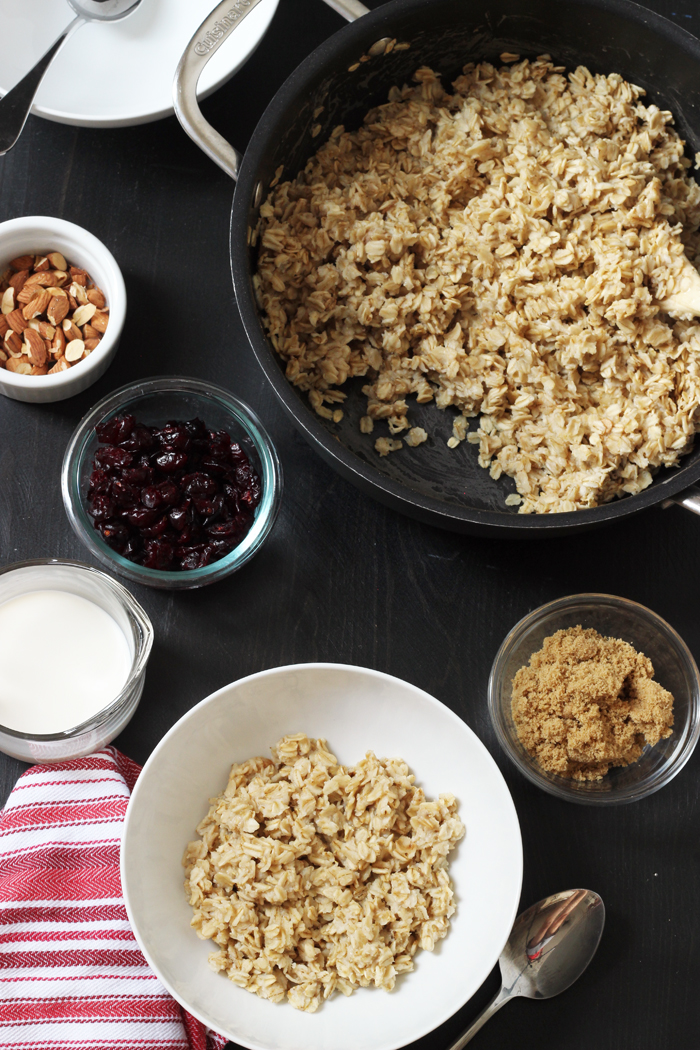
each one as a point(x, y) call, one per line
point(213, 31)
point(688, 498)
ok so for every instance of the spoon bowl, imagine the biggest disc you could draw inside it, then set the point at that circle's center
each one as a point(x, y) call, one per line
point(549, 947)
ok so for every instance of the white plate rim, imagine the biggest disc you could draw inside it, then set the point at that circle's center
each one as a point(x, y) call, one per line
point(78, 120)
point(325, 665)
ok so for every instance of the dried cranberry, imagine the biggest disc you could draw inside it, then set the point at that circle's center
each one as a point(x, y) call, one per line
point(181, 516)
point(100, 483)
point(114, 534)
point(198, 484)
point(237, 454)
point(170, 461)
point(195, 428)
point(173, 435)
point(102, 509)
point(140, 440)
point(163, 495)
point(156, 529)
point(115, 430)
point(225, 528)
point(112, 458)
point(141, 516)
point(138, 475)
point(157, 554)
point(124, 494)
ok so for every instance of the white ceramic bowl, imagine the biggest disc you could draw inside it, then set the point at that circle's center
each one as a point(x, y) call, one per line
point(41, 233)
point(355, 709)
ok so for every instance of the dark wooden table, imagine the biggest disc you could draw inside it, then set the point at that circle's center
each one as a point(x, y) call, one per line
point(344, 579)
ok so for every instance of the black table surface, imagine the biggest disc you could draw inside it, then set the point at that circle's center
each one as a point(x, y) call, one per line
point(342, 578)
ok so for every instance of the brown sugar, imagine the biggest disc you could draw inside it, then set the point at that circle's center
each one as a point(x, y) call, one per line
point(585, 703)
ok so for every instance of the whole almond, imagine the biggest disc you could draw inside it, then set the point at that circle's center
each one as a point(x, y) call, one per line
point(12, 344)
point(7, 304)
point(83, 314)
point(36, 371)
point(60, 366)
point(37, 305)
point(100, 321)
point(37, 349)
point(57, 309)
point(91, 344)
point(75, 350)
point(22, 368)
point(18, 280)
point(58, 261)
point(71, 330)
point(78, 292)
point(16, 321)
point(33, 324)
point(58, 343)
point(41, 263)
point(44, 278)
point(60, 277)
point(47, 331)
point(23, 262)
point(90, 333)
point(27, 294)
point(4, 325)
point(3, 356)
point(96, 296)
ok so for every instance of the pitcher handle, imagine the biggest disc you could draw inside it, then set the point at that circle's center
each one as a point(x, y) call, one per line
point(212, 33)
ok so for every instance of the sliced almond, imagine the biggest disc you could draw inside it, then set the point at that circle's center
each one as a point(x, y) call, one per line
point(37, 349)
point(18, 280)
point(60, 277)
point(16, 321)
point(60, 366)
point(37, 305)
point(3, 356)
point(7, 303)
point(91, 344)
point(72, 301)
point(22, 368)
point(36, 371)
point(33, 324)
point(54, 290)
point(41, 263)
point(27, 294)
point(71, 331)
point(75, 350)
point(100, 321)
point(58, 343)
point(57, 261)
point(84, 314)
point(57, 309)
point(96, 296)
point(23, 262)
point(47, 331)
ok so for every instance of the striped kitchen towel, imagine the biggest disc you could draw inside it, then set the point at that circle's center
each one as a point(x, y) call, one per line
point(72, 976)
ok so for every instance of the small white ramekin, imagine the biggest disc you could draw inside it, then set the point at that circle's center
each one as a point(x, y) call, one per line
point(42, 233)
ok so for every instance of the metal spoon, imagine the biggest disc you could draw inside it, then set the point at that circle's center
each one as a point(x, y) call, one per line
point(549, 947)
point(16, 104)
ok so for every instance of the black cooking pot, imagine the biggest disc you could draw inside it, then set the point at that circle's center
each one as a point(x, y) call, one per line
point(337, 84)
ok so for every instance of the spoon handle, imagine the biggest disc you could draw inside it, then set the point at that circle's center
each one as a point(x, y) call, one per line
point(16, 104)
point(488, 1012)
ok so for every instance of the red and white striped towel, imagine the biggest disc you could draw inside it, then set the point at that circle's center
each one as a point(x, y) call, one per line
point(72, 976)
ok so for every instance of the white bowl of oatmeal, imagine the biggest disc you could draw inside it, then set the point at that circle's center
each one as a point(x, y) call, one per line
point(355, 710)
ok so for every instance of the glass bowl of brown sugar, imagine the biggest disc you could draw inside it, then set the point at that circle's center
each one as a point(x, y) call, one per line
point(566, 707)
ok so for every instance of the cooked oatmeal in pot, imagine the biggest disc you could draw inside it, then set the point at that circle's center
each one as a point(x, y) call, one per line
point(311, 876)
point(515, 249)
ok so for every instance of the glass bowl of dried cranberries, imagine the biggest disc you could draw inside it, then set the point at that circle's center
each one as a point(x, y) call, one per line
point(172, 482)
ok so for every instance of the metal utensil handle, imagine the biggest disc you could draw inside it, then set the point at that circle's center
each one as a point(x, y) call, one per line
point(214, 30)
point(16, 104)
point(688, 498)
point(488, 1012)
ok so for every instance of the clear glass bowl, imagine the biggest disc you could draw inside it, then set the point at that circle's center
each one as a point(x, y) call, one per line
point(45, 574)
point(674, 667)
point(154, 402)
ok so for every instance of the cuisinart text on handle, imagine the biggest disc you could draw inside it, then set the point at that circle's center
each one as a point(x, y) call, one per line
point(221, 28)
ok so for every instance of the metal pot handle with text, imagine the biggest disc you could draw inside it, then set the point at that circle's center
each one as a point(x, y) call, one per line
point(214, 30)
